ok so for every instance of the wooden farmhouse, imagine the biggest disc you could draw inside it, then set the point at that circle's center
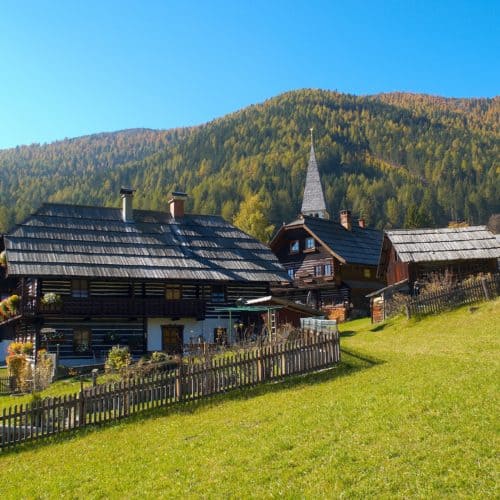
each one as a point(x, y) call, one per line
point(424, 254)
point(92, 277)
point(330, 263)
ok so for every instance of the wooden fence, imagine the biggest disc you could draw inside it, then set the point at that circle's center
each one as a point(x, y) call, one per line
point(485, 288)
point(8, 385)
point(106, 403)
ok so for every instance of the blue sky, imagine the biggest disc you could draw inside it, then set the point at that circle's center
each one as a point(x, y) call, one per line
point(70, 68)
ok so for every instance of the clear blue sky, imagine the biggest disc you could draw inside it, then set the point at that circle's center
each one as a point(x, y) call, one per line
point(69, 68)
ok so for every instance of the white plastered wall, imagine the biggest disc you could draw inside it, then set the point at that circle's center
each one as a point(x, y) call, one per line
point(192, 328)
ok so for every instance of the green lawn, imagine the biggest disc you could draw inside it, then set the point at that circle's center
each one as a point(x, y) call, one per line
point(411, 412)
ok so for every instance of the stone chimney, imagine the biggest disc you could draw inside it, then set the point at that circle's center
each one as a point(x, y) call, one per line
point(176, 203)
point(361, 222)
point(127, 196)
point(345, 219)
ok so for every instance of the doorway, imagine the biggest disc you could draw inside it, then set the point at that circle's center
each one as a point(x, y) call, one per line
point(172, 338)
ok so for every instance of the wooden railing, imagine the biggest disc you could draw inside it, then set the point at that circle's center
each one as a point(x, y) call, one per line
point(186, 383)
point(121, 306)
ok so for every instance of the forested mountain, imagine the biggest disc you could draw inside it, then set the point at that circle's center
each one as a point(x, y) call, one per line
point(397, 159)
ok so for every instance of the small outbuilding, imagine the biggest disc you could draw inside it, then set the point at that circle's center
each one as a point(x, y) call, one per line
point(419, 255)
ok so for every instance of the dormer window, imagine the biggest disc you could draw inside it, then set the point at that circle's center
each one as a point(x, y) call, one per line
point(294, 246)
point(310, 244)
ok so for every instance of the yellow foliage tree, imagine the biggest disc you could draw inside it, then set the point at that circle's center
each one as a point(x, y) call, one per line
point(252, 218)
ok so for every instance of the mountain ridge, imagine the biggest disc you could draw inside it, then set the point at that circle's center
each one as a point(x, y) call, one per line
point(378, 155)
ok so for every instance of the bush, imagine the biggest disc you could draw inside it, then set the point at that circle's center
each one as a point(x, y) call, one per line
point(15, 348)
point(118, 358)
point(27, 348)
point(3, 259)
point(17, 364)
point(159, 357)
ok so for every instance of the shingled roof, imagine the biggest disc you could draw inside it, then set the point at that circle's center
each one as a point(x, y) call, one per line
point(313, 201)
point(429, 245)
point(77, 241)
point(357, 246)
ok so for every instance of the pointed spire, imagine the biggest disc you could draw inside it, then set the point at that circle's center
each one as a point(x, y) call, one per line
point(313, 202)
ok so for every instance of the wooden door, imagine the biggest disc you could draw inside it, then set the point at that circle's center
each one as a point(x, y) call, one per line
point(172, 337)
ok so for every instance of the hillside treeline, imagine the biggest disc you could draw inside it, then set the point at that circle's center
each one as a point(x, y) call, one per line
point(397, 159)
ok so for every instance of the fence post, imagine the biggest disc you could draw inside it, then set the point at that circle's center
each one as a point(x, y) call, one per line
point(485, 288)
point(81, 409)
point(179, 381)
point(407, 311)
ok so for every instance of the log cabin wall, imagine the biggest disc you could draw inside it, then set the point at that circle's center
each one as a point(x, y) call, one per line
point(132, 331)
point(396, 270)
point(308, 263)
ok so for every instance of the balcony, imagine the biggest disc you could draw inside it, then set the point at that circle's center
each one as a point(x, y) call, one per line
point(120, 307)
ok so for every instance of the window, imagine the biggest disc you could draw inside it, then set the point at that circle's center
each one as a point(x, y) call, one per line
point(173, 292)
point(294, 246)
point(310, 244)
point(318, 270)
point(367, 273)
point(291, 273)
point(79, 288)
point(328, 269)
point(218, 293)
point(82, 338)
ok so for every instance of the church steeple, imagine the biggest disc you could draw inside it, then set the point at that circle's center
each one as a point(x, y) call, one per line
point(313, 202)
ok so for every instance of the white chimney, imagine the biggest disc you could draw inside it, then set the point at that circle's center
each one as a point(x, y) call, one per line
point(127, 196)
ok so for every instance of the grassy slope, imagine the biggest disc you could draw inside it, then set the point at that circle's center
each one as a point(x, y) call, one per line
point(415, 417)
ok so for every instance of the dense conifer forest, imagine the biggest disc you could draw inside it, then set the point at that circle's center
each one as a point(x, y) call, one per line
point(397, 159)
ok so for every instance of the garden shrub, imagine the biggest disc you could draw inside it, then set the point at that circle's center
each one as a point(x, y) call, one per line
point(17, 364)
point(159, 357)
point(118, 358)
point(27, 348)
point(15, 348)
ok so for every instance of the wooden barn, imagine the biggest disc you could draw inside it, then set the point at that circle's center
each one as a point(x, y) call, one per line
point(92, 277)
point(330, 263)
point(426, 254)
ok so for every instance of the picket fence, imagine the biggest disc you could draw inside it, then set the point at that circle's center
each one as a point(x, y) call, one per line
point(188, 382)
point(486, 288)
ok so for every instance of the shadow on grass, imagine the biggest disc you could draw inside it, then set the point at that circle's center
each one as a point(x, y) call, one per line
point(347, 333)
point(351, 362)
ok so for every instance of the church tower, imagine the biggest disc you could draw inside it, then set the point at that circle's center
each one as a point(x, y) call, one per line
point(313, 202)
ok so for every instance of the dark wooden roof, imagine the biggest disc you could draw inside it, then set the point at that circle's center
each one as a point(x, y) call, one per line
point(444, 244)
point(71, 240)
point(358, 246)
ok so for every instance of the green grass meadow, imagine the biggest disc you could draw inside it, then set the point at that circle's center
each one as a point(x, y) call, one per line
point(412, 411)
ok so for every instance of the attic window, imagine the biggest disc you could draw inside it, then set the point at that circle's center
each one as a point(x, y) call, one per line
point(318, 270)
point(218, 293)
point(173, 292)
point(328, 269)
point(79, 288)
point(310, 245)
point(294, 246)
point(291, 273)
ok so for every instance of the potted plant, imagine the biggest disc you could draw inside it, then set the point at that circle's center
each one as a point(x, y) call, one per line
point(3, 259)
point(13, 304)
point(51, 300)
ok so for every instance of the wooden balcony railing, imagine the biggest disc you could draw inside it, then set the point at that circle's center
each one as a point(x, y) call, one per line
point(120, 307)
